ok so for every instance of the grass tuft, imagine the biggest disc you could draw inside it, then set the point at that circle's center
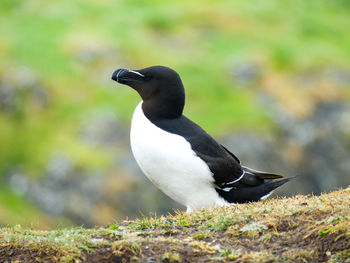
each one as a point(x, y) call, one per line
point(171, 257)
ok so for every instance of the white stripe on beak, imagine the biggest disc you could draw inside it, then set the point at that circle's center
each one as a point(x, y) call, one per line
point(118, 75)
point(137, 73)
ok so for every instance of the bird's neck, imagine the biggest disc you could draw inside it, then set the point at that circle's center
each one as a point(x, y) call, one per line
point(169, 108)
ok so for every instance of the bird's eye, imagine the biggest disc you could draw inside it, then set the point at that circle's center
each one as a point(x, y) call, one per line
point(147, 78)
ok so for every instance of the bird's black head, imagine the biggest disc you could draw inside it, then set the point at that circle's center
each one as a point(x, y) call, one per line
point(160, 88)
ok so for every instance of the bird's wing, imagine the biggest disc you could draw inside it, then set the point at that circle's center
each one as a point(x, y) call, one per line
point(230, 153)
point(223, 164)
point(226, 170)
point(249, 172)
point(227, 166)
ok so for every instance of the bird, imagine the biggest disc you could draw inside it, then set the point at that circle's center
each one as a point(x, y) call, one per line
point(177, 155)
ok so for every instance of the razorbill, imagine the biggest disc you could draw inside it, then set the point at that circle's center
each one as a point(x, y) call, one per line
point(177, 155)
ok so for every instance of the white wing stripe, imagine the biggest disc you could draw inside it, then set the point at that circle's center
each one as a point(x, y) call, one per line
point(266, 196)
point(235, 181)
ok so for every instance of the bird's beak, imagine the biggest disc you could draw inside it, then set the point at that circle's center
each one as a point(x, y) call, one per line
point(125, 76)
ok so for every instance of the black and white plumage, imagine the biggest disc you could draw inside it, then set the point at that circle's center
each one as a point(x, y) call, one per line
point(177, 155)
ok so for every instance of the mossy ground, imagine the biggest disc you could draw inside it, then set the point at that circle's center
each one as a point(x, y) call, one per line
point(297, 229)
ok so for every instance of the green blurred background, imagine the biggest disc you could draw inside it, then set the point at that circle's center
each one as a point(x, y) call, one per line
point(269, 79)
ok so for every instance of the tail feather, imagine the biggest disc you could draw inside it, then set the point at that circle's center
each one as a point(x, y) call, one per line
point(250, 194)
point(260, 174)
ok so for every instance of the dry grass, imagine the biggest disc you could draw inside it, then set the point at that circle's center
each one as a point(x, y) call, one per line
point(297, 229)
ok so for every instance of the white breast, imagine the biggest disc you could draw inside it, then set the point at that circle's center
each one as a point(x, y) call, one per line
point(169, 162)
